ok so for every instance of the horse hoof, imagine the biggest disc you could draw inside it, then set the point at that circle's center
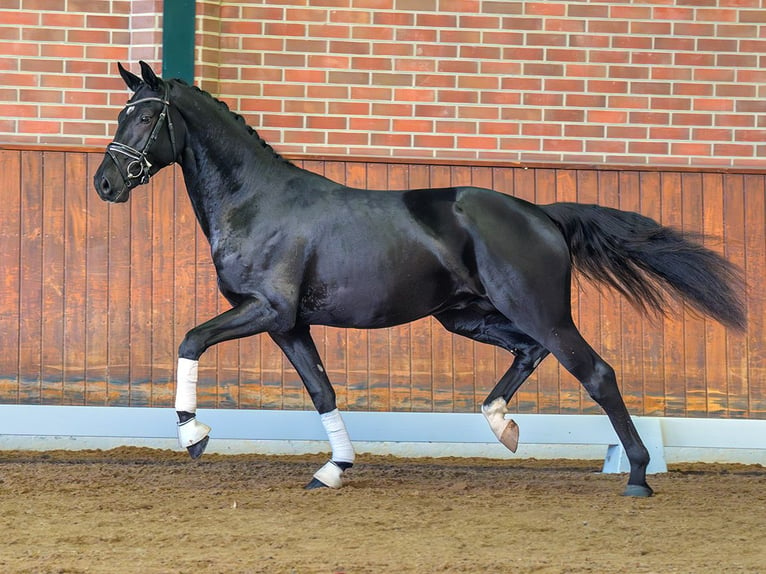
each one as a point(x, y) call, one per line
point(314, 484)
point(195, 451)
point(638, 491)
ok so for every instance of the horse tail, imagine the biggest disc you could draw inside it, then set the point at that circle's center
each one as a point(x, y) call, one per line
point(649, 263)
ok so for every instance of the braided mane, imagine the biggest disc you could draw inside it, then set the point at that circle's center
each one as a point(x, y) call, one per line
point(240, 120)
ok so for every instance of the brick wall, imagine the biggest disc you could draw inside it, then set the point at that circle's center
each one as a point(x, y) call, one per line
point(673, 83)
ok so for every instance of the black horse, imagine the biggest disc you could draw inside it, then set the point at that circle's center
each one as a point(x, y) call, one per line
point(293, 249)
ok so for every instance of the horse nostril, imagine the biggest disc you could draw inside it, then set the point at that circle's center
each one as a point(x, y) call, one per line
point(105, 187)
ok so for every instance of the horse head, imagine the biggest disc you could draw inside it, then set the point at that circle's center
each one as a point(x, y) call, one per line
point(149, 137)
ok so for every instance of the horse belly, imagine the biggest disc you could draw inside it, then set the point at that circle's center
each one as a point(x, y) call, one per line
point(373, 296)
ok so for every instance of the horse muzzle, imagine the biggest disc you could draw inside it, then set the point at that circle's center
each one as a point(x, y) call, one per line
point(108, 191)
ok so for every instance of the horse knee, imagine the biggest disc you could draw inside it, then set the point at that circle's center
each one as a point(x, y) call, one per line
point(191, 347)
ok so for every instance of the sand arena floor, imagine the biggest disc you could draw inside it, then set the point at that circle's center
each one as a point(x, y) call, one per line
point(148, 511)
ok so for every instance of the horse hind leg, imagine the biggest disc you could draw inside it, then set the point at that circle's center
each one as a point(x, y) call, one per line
point(497, 330)
point(598, 377)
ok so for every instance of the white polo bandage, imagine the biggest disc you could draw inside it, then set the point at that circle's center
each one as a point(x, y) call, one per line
point(342, 449)
point(191, 432)
point(330, 475)
point(186, 389)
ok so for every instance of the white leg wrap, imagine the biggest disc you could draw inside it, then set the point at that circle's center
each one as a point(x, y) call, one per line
point(506, 430)
point(330, 475)
point(186, 389)
point(191, 432)
point(342, 450)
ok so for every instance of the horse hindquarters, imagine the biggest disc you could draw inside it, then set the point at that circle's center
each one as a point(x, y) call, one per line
point(524, 265)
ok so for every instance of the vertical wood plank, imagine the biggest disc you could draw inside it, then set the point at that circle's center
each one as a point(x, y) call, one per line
point(714, 333)
point(736, 343)
point(673, 325)
point(358, 353)
point(653, 362)
point(611, 310)
point(400, 336)
point(185, 305)
point(76, 277)
point(484, 367)
point(379, 340)
point(569, 387)
point(755, 228)
point(336, 341)
point(549, 390)
point(694, 326)
point(31, 260)
point(207, 298)
point(10, 278)
point(140, 295)
point(52, 334)
point(524, 186)
point(588, 295)
point(96, 293)
point(421, 362)
point(632, 374)
point(163, 246)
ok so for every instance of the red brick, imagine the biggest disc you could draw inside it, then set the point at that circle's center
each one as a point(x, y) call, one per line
point(339, 47)
point(412, 125)
point(433, 141)
point(350, 108)
point(564, 85)
point(478, 142)
point(689, 148)
point(584, 131)
point(564, 115)
point(546, 8)
point(519, 23)
point(589, 41)
point(434, 111)
point(652, 118)
point(356, 17)
point(712, 134)
point(735, 150)
point(436, 20)
point(520, 144)
point(371, 93)
point(541, 130)
point(713, 105)
point(669, 133)
point(344, 137)
point(369, 124)
point(455, 127)
point(692, 89)
point(660, 103)
point(626, 132)
point(607, 117)
point(648, 147)
point(391, 139)
point(546, 39)
point(483, 22)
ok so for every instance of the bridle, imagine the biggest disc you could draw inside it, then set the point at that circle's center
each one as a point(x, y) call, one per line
point(137, 170)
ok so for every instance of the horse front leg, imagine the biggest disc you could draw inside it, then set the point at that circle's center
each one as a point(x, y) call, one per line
point(300, 349)
point(250, 317)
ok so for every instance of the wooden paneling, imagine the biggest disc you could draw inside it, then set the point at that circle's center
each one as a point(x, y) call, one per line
point(97, 297)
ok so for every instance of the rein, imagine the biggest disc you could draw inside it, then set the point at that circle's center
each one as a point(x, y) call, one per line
point(137, 170)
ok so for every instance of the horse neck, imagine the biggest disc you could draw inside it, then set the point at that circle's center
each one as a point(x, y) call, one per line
point(223, 172)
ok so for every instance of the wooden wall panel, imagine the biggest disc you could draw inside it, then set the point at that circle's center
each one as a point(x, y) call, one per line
point(97, 297)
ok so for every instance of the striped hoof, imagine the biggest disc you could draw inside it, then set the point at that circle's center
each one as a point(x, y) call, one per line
point(195, 451)
point(638, 491)
point(314, 484)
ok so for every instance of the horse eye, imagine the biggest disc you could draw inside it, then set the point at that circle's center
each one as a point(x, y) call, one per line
point(146, 118)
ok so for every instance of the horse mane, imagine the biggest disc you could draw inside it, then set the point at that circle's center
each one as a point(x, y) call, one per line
point(237, 117)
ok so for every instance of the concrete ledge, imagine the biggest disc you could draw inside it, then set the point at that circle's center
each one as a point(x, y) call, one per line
point(399, 433)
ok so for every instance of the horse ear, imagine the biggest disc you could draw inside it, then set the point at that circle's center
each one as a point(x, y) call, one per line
point(149, 76)
point(133, 82)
